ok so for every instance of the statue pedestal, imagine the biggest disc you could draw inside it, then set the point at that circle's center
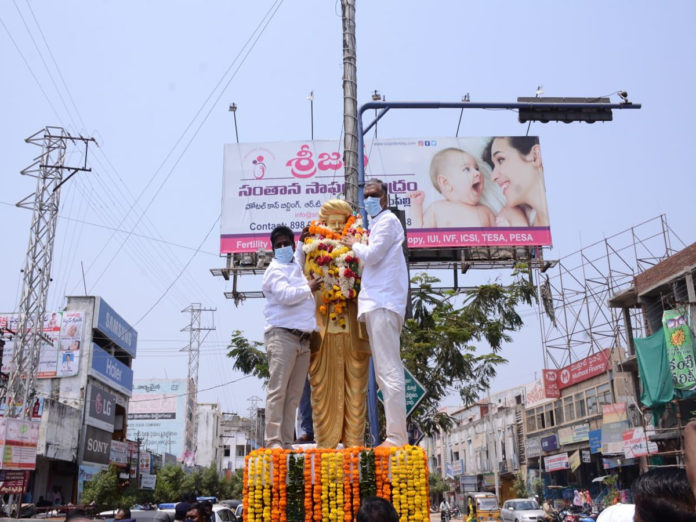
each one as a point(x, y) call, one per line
point(308, 484)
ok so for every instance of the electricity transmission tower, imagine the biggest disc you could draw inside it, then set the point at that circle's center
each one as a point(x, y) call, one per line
point(51, 173)
point(194, 328)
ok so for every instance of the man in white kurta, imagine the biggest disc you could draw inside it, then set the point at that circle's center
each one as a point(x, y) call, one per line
point(290, 320)
point(382, 305)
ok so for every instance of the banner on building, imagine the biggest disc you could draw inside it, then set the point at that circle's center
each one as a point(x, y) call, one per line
point(573, 434)
point(18, 441)
point(60, 351)
point(97, 446)
point(636, 444)
point(680, 349)
point(577, 372)
point(118, 455)
point(157, 414)
point(535, 394)
point(268, 184)
point(614, 423)
point(574, 460)
point(148, 481)
point(101, 411)
point(586, 457)
point(556, 462)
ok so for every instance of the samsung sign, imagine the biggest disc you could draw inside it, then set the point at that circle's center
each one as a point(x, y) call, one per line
point(111, 371)
point(102, 408)
point(113, 326)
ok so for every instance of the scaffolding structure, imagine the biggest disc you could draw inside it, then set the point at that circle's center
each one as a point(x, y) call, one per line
point(574, 315)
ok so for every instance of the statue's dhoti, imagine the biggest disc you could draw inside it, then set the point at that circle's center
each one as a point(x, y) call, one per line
point(338, 375)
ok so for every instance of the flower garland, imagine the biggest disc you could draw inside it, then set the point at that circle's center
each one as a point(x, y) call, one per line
point(326, 257)
point(328, 485)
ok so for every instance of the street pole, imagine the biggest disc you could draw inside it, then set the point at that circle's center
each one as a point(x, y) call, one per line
point(350, 103)
point(310, 97)
point(495, 446)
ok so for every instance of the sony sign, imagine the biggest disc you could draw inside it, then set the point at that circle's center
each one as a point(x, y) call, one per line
point(97, 446)
point(102, 408)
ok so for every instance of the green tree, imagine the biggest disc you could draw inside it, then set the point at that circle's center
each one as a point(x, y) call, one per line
point(103, 489)
point(210, 481)
point(193, 482)
point(170, 484)
point(438, 486)
point(438, 344)
point(519, 486)
point(232, 487)
point(248, 357)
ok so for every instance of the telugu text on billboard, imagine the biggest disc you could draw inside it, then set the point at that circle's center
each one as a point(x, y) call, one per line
point(157, 414)
point(456, 192)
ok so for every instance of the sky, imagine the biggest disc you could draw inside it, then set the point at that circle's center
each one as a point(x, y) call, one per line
point(152, 82)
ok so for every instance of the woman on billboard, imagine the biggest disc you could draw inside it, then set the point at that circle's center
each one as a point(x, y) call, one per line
point(517, 169)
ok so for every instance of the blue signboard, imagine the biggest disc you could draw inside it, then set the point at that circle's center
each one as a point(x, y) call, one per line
point(549, 443)
point(111, 371)
point(114, 327)
point(595, 441)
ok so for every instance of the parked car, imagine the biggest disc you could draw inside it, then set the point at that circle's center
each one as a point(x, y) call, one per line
point(239, 512)
point(231, 503)
point(223, 514)
point(521, 509)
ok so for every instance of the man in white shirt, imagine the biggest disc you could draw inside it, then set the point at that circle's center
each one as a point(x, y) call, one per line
point(290, 321)
point(382, 304)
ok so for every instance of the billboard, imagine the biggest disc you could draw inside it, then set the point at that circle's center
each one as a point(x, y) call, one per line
point(110, 370)
point(579, 371)
point(456, 192)
point(60, 354)
point(157, 414)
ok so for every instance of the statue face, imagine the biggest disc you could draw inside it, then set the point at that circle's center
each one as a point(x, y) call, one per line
point(336, 222)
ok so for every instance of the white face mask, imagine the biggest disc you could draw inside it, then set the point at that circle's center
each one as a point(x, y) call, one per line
point(373, 205)
point(284, 254)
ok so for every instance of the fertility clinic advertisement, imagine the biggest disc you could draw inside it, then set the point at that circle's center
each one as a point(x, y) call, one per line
point(456, 192)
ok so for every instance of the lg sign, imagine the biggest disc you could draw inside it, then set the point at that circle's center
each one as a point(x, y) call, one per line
point(103, 407)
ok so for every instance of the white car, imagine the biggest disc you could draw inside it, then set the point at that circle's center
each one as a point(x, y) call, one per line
point(521, 510)
point(223, 514)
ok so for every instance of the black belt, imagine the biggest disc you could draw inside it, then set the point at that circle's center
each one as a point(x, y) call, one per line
point(299, 333)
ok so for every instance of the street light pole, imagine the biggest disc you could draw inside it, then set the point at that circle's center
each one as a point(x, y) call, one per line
point(233, 110)
point(310, 97)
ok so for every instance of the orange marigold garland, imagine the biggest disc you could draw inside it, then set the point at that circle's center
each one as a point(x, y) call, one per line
point(328, 483)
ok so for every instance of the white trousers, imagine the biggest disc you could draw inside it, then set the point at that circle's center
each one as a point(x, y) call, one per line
point(384, 329)
point(288, 362)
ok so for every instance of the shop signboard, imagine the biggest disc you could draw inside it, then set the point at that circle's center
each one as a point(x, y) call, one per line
point(18, 441)
point(114, 327)
point(586, 457)
point(636, 444)
point(595, 437)
point(97, 446)
point(457, 467)
point(118, 455)
point(145, 462)
point(13, 482)
point(101, 412)
point(268, 184)
point(111, 371)
point(573, 434)
point(549, 443)
point(533, 447)
point(468, 483)
point(556, 462)
point(577, 372)
point(614, 423)
point(148, 481)
point(534, 394)
point(574, 460)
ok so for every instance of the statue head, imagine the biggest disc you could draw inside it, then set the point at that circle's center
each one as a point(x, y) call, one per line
point(334, 213)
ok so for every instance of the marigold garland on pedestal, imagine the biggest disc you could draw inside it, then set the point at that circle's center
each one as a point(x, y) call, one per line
point(328, 485)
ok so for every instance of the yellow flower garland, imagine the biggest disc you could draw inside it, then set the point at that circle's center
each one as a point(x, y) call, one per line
point(402, 472)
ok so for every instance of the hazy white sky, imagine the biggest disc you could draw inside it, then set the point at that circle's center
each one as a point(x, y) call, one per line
point(151, 81)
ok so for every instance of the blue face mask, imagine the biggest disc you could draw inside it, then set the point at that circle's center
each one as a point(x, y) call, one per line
point(284, 254)
point(373, 206)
